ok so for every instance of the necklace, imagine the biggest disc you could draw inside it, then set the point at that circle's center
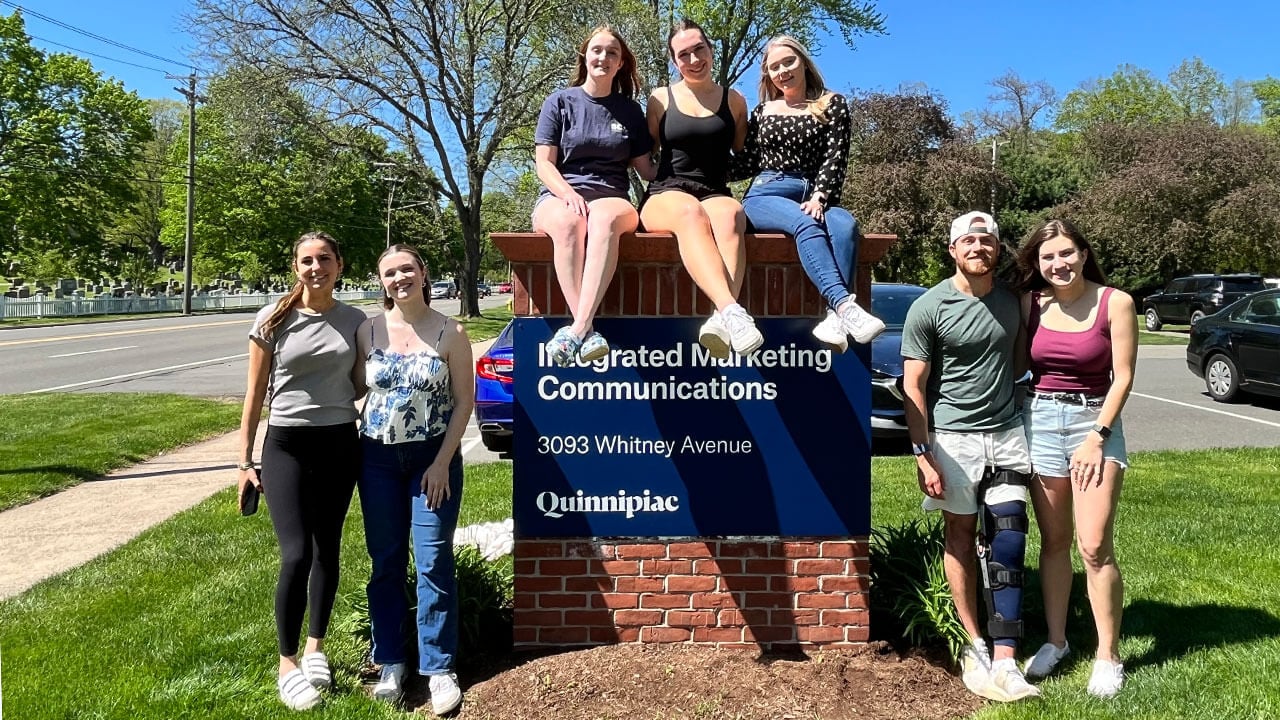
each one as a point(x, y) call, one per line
point(1073, 302)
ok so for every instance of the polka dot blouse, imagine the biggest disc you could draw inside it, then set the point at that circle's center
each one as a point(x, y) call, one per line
point(799, 143)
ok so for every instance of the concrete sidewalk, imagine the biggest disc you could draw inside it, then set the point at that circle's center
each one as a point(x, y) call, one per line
point(50, 536)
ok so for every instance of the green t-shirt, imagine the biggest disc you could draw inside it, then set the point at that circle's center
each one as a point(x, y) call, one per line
point(968, 343)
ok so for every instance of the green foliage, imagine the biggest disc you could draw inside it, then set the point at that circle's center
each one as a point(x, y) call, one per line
point(910, 598)
point(485, 596)
point(1131, 96)
point(68, 143)
point(1267, 92)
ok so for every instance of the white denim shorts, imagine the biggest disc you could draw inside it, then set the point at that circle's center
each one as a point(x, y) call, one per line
point(964, 457)
point(1056, 428)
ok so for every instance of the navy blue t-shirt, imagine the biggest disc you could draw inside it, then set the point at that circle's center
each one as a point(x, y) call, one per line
point(595, 138)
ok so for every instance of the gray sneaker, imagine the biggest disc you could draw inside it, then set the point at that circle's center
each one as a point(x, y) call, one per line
point(743, 335)
point(862, 325)
point(714, 336)
point(830, 331)
point(390, 685)
point(1046, 659)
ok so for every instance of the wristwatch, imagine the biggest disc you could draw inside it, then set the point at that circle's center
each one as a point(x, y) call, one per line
point(919, 449)
point(247, 466)
point(1102, 430)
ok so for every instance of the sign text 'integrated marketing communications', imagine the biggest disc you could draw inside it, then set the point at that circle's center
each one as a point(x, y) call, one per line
point(660, 438)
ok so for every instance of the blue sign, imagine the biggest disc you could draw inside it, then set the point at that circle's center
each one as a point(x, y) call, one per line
point(659, 439)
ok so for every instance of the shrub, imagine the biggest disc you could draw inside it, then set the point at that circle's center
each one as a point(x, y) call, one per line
point(910, 599)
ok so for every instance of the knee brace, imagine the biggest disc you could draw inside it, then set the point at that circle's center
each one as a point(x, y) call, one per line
point(1002, 544)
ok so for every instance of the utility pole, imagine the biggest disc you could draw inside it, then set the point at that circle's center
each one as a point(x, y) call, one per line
point(994, 146)
point(190, 93)
point(391, 193)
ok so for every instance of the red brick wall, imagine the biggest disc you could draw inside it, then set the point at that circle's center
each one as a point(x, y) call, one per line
point(755, 593)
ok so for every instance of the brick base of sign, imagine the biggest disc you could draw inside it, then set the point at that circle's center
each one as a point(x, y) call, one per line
point(758, 594)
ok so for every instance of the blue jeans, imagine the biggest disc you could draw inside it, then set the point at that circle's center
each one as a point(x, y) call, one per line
point(395, 508)
point(827, 249)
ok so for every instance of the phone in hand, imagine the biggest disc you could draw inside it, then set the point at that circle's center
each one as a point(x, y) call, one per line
point(249, 496)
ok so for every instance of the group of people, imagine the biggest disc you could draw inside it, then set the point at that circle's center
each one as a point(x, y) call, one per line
point(315, 358)
point(794, 145)
point(981, 451)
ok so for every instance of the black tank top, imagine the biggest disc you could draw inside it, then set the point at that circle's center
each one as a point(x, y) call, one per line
point(696, 148)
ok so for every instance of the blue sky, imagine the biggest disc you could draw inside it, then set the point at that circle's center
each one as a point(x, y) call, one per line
point(956, 48)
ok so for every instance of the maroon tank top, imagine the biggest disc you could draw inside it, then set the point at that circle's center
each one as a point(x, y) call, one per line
point(1074, 362)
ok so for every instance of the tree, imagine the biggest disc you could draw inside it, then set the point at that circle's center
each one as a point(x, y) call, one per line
point(1197, 89)
point(1267, 92)
point(265, 175)
point(68, 144)
point(1012, 109)
point(1240, 106)
point(447, 82)
point(910, 173)
point(1131, 96)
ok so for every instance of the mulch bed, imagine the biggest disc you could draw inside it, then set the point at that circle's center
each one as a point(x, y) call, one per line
point(653, 682)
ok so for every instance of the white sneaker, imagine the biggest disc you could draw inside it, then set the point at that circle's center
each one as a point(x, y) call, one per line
point(390, 685)
point(445, 693)
point(743, 335)
point(714, 336)
point(862, 325)
point(1046, 659)
point(975, 666)
point(831, 332)
point(1006, 676)
point(296, 692)
point(1106, 680)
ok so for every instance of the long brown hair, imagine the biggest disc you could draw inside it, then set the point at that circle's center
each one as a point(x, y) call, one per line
point(1029, 277)
point(626, 81)
point(387, 302)
point(815, 88)
point(680, 26)
point(291, 300)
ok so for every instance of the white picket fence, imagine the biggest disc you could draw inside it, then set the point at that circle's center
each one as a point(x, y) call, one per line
point(41, 306)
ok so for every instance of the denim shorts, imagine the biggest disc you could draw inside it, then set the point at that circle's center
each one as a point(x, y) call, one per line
point(964, 457)
point(1056, 428)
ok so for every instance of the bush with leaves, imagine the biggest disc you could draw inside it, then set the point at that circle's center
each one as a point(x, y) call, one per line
point(910, 599)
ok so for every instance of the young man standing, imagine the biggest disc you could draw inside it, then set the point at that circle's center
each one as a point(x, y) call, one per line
point(960, 345)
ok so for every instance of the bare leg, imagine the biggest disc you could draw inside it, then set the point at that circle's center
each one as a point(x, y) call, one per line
point(1052, 499)
point(961, 565)
point(680, 213)
point(568, 232)
point(1095, 528)
point(607, 220)
point(728, 225)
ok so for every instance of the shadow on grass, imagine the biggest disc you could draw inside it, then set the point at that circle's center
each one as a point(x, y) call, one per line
point(79, 473)
point(1180, 629)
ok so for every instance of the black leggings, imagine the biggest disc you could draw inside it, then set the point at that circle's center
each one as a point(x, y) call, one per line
point(308, 474)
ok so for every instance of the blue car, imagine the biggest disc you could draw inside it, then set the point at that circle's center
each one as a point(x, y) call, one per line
point(889, 302)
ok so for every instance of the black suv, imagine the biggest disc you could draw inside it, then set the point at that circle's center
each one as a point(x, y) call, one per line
point(1187, 299)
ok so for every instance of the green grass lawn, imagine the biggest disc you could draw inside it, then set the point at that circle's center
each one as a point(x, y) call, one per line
point(488, 325)
point(178, 622)
point(53, 441)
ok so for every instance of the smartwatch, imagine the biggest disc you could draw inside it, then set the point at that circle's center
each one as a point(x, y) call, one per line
point(919, 449)
point(1102, 430)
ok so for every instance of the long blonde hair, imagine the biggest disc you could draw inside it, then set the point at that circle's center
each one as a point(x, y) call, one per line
point(815, 88)
point(291, 300)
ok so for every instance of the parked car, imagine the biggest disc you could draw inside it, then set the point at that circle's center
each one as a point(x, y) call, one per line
point(1238, 350)
point(442, 289)
point(494, 402)
point(1188, 299)
point(504, 287)
point(889, 302)
point(483, 290)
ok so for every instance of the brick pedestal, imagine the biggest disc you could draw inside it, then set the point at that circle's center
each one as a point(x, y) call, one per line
point(755, 593)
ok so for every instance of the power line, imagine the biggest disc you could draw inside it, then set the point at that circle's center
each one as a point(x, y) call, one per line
point(97, 55)
point(95, 36)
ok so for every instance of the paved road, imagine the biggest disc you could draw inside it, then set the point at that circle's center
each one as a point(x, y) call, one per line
point(204, 355)
point(200, 355)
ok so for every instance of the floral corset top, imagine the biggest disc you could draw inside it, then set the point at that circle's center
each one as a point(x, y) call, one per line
point(409, 396)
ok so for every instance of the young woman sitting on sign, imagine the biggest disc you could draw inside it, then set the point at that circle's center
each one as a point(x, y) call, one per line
point(420, 394)
point(587, 136)
point(302, 351)
point(695, 123)
point(797, 147)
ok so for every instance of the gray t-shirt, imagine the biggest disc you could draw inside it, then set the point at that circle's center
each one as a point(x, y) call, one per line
point(595, 139)
point(311, 361)
point(968, 343)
